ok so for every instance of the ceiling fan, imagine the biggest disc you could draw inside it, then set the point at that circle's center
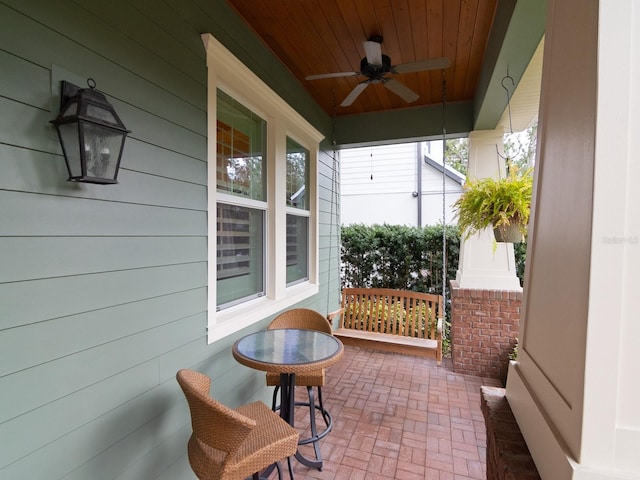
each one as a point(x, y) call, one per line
point(376, 66)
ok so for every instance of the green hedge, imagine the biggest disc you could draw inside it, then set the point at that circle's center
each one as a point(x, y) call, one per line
point(520, 252)
point(394, 256)
point(407, 258)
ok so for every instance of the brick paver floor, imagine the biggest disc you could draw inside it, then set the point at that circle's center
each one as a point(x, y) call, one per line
point(398, 417)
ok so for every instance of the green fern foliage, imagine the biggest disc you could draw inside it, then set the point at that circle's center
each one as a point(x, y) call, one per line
point(495, 203)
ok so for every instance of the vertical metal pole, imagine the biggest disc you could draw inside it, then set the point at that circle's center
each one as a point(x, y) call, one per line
point(420, 156)
point(333, 201)
point(444, 203)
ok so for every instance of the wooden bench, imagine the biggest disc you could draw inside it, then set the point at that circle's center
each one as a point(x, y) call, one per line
point(391, 320)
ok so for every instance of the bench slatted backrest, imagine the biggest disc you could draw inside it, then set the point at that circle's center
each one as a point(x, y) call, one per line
point(398, 312)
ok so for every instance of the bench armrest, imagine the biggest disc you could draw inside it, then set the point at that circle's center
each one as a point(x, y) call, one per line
point(337, 314)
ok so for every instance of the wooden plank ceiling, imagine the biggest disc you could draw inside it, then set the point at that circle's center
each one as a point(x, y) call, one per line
point(324, 36)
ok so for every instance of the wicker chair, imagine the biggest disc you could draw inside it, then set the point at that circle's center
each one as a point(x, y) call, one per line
point(304, 318)
point(231, 444)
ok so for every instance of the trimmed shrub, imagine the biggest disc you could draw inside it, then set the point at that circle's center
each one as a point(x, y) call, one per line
point(395, 256)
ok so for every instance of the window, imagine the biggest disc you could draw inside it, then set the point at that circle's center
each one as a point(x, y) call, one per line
point(241, 205)
point(239, 254)
point(262, 198)
point(297, 212)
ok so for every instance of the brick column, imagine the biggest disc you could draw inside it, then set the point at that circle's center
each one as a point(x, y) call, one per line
point(508, 457)
point(484, 329)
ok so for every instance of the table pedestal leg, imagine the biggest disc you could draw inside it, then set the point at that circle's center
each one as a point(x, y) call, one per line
point(287, 397)
point(287, 406)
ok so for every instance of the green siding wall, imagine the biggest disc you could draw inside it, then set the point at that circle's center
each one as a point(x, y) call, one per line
point(103, 289)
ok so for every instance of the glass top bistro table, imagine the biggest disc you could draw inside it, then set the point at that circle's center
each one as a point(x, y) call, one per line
point(289, 352)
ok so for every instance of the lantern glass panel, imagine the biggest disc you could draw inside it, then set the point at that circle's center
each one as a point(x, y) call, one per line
point(71, 109)
point(96, 111)
point(71, 146)
point(101, 148)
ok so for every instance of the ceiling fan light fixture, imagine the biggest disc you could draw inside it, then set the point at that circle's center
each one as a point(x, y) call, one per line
point(373, 53)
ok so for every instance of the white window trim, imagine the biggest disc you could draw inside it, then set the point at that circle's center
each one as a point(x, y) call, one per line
point(226, 72)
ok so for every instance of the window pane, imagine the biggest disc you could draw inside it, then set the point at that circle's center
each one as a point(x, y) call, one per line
point(240, 150)
point(240, 253)
point(297, 248)
point(297, 175)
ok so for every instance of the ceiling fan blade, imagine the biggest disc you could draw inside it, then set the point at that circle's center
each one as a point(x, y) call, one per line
point(401, 90)
point(422, 65)
point(331, 75)
point(373, 52)
point(355, 93)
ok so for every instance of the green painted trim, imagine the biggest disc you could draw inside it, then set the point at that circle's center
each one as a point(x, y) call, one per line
point(406, 125)
point(517, 31)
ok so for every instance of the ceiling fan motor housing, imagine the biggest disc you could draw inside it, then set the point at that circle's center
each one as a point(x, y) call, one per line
point(375, 72)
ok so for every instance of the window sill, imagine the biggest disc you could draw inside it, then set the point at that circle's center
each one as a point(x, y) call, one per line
point(236, 318)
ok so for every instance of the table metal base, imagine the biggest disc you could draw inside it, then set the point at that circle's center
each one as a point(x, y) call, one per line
point(266, 473)
point(287, 412)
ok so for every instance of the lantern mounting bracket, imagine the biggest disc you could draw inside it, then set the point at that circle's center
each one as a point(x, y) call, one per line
point(68, 90)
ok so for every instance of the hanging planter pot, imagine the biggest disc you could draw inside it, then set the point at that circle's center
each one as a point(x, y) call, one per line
point(509, 233)
point(499, 203)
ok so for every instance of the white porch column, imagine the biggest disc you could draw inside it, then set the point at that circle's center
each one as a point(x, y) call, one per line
point(479, 266)
point(575, 390)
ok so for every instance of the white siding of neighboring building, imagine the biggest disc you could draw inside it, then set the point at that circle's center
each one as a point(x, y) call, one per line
point(380, 185)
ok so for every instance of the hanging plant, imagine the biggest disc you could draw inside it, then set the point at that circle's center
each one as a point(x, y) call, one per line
point(502, 204)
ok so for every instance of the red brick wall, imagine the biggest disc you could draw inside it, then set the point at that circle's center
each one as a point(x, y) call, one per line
point(484, 329)
point(508, 457)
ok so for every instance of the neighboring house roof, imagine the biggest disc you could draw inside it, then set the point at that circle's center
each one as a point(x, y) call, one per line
point(298, 197)
point(452, 173)
point(403, 173)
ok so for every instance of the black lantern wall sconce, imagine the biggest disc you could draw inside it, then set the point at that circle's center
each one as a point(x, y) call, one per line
point(91, 134)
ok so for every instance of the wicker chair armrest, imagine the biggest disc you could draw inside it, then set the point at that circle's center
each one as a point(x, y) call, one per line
point(231, 428)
